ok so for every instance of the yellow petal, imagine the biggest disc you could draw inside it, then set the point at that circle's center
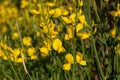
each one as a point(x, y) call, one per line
point(57, 13)
point(67, 66)
point(79, 56)
point(61, 49)
point(44, 50)
point(83, 63)
point(57, 44)
point(65, 19)
point(113, 32)
point(69, 58)
point(79, 27)
point(85, 35)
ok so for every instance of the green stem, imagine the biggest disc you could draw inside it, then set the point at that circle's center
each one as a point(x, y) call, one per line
point(97, 59)
point(96, 13)
point(74, 55)
point(15, 73)
point(83, 48)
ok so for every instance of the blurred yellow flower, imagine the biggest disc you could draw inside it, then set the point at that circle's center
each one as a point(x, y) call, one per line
point(15, 35)
point(113, 32)
point(65, 19)
point(116, 13)
point(69, 58)
point(51, 12)
point(2, 55)
point(4, 30)
point(79, 59)
point(47, 44)
point(70, 33)
point(82, 19)
point(79, 27)
point(67, 66)
point(61, 49)
point(72, 17)
point(44, 51)
point(34, 12)
point(84, 35)
point(80, 3)
point(57, 45)
point(27, 41)
point(16, 55)
point(57, 13)
point(117, 48)
point(33, 57)
point(24, 3)
point(83, 63)
point(31, 51)
point(19, 60)
point(49, 4)
point(79, 56)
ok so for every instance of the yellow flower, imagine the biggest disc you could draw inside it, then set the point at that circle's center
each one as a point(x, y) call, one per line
point(15, 56)
point(83, 63)
point(34, 12)
point(19, 60)
point(79, 27)
point(38, 34)
point(72, 17)
point(83, 35)
point(117, 48)
point(51, 12)
point(47, 44)
point(61, 49)
point(67, 66)
point(82, 19)
point(80, 3)
point(16, 52)
point(57, 13)
point(64, 12)
point(49, 4)
point(79, 56)
point(57, 45)
point(15, 35)
point(113, 32)
point(69, 58)
point(27, 41)
point(44, 51)
point(31, 51)
point(65, 19)
point(33, 57)
point(2, 55)
point(24, 3)
point(53, 34)
point(70, 33)
point(79, 59)
point(4, 29)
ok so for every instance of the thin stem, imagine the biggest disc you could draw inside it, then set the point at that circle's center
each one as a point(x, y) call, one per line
point(74, 55)
point(96, 13)
point(12, 66)
point(97, 59)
